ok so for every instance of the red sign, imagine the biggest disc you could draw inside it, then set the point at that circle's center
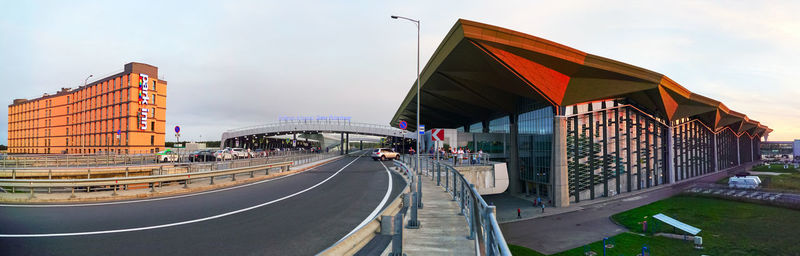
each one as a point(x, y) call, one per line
point(437, 134)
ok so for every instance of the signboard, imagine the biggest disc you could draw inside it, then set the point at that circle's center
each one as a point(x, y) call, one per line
point(403, 125)
point(144, 100)
point(177, 129)
point(421, 129)
point(437, 134)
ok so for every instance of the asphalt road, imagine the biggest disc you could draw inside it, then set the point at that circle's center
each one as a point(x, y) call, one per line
point(300, 214)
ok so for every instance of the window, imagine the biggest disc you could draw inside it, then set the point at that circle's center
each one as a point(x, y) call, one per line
point(152, 140)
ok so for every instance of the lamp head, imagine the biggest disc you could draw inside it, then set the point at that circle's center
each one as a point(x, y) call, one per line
point(394, 17)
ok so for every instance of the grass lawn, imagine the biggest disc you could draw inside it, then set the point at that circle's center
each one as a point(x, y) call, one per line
point(729, 227)
point(775, 168)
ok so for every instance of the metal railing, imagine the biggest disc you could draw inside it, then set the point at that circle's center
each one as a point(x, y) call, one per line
point(480, 216)
point(466, 159)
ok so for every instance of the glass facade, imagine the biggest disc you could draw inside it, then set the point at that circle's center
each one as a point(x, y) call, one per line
point(534, 141)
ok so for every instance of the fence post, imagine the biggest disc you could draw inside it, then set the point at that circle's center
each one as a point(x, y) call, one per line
point(413, 223)
point(462, 198)
point(73, 193)
point(49, 177)
point(472, 216)
point(212, 181)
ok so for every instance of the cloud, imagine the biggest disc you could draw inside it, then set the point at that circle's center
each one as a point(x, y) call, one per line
point(238, 63)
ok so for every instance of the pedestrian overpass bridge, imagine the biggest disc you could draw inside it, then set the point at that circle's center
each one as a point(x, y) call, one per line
point(253, 136)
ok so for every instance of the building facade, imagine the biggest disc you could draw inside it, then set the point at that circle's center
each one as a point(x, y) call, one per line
point(123, 113)
point(573, 126)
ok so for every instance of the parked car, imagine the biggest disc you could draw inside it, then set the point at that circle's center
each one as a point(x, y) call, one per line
point(166, 156)
point(223, 154)
point(240, 153)
point(384, 153)
point(202, 156)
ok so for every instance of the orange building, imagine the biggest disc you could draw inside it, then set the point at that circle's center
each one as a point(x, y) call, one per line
point(122, 113)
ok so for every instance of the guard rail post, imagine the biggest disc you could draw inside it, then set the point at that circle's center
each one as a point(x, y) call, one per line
point(125, 187)
point(13, 177)
point(397, 237)
point(31, 188)
point(49, 177)
point(88, 176)
point(413, 223)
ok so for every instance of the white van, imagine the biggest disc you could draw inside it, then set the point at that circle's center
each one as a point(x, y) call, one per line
point(747, 182)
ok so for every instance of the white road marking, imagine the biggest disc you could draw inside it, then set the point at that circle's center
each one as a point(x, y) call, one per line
point(154, 199)
point(377, 209)
point(182, 222)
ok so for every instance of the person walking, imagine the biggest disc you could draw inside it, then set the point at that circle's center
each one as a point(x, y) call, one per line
point(461, 156)
point(480, 155)
point(542, 208)
point(519, 213)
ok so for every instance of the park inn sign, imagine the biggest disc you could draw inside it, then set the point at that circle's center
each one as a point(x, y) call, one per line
point(144, 100)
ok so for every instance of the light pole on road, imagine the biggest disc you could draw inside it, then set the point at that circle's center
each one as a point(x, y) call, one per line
point(418, 200)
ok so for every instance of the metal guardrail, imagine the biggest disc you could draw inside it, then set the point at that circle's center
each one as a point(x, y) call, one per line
point(169, 168)
point(480, 216)
point(115, 182)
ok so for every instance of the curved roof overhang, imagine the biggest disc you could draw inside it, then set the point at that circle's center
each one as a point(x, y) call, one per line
point(479, 71)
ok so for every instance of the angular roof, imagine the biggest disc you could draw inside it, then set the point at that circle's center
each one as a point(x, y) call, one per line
point(479, 71)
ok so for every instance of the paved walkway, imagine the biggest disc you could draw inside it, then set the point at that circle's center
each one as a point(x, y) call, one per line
point(560, 229)
point(442, 231)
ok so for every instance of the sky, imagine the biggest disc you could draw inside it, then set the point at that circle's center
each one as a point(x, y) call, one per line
point(231, 64)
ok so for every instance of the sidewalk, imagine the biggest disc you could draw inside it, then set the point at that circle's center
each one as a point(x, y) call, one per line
point(442, 231)
point(139, 192)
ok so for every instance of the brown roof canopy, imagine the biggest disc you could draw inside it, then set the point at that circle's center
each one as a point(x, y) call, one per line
point(480, 70)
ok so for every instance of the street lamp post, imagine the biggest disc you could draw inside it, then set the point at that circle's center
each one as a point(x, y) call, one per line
point(418, 201)
point(83, 136)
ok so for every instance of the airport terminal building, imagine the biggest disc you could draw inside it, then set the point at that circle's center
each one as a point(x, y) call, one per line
point(570, 125)
point(123, 113)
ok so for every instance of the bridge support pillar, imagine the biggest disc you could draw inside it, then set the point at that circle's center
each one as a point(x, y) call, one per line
point(341, 144)
point(347, 144)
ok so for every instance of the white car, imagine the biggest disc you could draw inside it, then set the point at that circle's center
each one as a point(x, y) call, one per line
point(240, 153)
point(223, 155)
point(167, 156)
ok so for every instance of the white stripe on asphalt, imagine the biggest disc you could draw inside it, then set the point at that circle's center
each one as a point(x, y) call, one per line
point(155, 199)
point(182, 222)
point(377, 209)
